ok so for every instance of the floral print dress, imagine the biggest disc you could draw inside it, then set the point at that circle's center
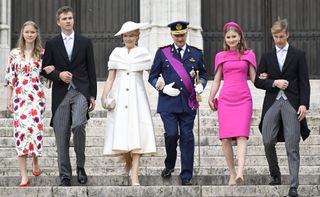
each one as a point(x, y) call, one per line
point(28, 103)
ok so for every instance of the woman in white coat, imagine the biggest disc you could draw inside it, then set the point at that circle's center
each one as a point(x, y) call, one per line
point(129, 129)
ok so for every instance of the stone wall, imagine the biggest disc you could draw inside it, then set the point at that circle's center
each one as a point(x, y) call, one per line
point(5, 11)
point(158, 13)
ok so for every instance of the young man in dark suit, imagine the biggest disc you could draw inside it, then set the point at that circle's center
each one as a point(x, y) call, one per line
point(73, 92)
point(173, 74)
point(283, 73)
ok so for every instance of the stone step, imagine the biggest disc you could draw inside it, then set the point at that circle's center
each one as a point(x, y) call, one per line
point(101, 122)
point(205, 151)
point(159, 190)
point(206, 121)
point(203, 111)
point(156, 171)
point(217, 161)
point(209, 140)
point(99, 131)
point(149, 180)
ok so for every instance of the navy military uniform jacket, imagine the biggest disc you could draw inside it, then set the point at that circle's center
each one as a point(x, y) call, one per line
point(192, 60)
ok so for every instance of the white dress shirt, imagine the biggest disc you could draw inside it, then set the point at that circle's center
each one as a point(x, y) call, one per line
point(182, 51)
point(281, 56)
point(68, 43)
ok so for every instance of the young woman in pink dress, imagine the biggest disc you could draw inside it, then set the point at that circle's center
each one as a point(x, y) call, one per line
point(234, 105)
point(25, 98)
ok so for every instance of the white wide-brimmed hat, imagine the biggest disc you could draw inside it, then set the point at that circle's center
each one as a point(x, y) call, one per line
point(130, 26)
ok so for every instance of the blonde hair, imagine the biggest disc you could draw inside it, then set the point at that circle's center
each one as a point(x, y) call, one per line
point(242, 45)
point(279, 26)
point(21, 44)
point(136, 33)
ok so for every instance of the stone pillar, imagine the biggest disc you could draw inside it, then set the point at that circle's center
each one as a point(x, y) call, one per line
point(158, 13)
point(5, 35)
point(5, 38)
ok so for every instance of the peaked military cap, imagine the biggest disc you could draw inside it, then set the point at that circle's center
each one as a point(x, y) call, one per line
point(179, 27)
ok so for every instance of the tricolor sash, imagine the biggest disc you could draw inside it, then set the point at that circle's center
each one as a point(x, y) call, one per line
point(179, 68)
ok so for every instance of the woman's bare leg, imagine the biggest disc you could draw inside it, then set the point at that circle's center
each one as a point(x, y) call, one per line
point(242, 144)
point(135, 169)
point(23, 169)
point(228, 154)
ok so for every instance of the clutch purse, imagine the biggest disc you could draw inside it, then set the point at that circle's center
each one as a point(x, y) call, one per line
point(109, 103)
point(45, 82)
point(215, 103)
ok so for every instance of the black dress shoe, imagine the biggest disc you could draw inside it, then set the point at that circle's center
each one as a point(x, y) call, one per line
point(275, 180)
point(166, 173)
point(293, 192)
point(186, 182)
point(65, 182)
point(81, 176)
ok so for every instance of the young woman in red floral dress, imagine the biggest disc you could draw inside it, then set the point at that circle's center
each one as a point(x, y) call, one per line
point(25, 98)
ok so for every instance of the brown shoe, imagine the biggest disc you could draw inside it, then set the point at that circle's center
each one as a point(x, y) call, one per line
point(239, 180)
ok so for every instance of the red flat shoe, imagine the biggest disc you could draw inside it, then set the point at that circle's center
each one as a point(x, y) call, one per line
point(36, 173)
point(25, 184)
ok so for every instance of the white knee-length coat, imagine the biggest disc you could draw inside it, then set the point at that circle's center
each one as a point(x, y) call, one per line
point(129, 125)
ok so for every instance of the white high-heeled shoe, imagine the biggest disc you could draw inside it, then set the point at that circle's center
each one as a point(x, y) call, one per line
point(132, 182)
point(135, 184)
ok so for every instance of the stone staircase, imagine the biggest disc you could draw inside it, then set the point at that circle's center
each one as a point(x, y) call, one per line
point(210, 173)
point(106, 176)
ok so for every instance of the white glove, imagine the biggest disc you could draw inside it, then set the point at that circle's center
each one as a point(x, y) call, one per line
point(160, 83)
point(169, 90)
point(198, 88)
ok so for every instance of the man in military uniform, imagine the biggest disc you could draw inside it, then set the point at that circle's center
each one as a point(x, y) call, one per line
point(174, 72)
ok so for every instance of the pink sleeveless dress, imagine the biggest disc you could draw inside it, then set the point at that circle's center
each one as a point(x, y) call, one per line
point(235, 101)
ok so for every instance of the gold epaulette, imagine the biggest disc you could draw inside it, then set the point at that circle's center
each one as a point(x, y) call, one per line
point(196, 48)
point(164, 46)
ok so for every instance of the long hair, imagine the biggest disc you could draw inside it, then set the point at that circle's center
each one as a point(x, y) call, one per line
point(21, 44)
point(242, 45)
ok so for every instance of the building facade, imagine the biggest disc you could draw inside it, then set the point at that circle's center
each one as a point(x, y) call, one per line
point(5, 34)
point(101, 19)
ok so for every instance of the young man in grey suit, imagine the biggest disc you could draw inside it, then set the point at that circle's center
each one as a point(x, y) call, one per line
point(283, 73)
point(73, 92)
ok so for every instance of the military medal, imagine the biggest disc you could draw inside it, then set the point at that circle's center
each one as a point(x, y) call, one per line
point(192, 73)
point(192, 60)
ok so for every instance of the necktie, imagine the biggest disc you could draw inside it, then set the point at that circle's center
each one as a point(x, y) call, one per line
point(179, 51)
point(68, 45)
point(282, 58)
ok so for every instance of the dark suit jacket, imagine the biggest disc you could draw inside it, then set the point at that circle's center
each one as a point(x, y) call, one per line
point(192, 60)
point(81, 66)
point(295, 70)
